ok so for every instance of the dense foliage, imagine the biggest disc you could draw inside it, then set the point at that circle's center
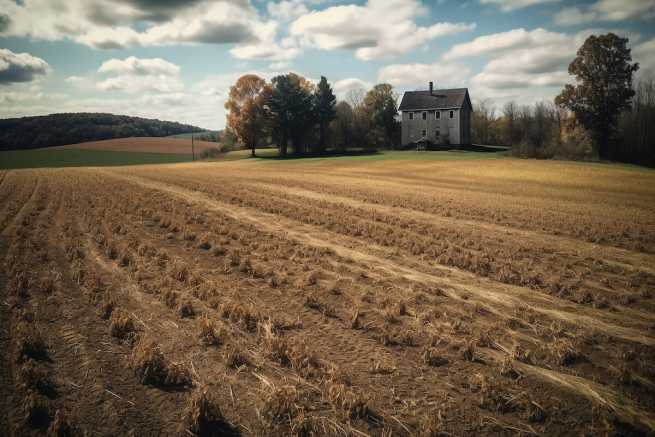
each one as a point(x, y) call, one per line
point(71, 128)
point(603, 89)
point(293, 112)
point(246, 109)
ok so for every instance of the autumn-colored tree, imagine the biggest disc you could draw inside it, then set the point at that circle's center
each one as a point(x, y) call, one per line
point(324, 109)
point(603, 74)
point(291, 110)
point(248, 107)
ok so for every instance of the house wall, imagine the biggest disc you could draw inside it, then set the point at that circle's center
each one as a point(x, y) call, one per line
point(411, 130)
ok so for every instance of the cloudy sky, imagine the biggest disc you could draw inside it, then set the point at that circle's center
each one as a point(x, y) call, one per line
point(176, 59)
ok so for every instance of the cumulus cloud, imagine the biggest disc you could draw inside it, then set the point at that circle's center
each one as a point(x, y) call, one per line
point(512, 5)
point(287, 10)
point(445, 74)
point(118, 24)
point(134, 75)
point(522, 61)
point(505, 41)
point(139, 67)
point(378, 29)
point(20, 67)
point(266, 48)
point(608, 11)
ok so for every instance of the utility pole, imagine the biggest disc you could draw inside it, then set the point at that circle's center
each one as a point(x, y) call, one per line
point(193, 150)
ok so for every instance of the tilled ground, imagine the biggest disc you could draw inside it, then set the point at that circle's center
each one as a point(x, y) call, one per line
point(328, 298)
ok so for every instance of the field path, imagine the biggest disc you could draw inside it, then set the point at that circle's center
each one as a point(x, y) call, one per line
point(624, 258)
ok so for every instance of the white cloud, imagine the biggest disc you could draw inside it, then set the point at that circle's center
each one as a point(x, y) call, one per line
point(139, 67)
point(445, 74)
point(378, 29)
point(141, 84)
point(523, 62)
point(265, 47)
point(512, 5)
point(119, 24)
point(21, 67)
point(500, 81)
point(504, 41)
point(134, 75)
point(607, 10)
point(287, 10)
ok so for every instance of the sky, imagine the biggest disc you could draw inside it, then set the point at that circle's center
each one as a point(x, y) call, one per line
point(176, 59)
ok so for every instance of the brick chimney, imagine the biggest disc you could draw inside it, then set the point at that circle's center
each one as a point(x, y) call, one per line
point(431, 87)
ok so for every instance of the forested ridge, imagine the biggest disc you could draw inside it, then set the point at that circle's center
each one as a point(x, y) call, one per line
point(71, 128)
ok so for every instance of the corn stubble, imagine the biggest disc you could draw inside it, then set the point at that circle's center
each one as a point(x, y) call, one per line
point(409, 301)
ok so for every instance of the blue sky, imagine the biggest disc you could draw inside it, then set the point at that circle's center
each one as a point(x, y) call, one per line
point(176, 59)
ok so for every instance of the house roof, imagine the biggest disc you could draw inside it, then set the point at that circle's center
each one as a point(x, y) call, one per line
point(452, 98)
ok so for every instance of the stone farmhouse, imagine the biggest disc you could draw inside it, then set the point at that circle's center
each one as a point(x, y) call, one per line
point(440, 117)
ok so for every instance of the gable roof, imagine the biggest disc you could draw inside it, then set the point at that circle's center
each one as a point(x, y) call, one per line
point(452, 98)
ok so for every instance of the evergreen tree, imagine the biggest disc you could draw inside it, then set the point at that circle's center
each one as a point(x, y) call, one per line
point(324, 109)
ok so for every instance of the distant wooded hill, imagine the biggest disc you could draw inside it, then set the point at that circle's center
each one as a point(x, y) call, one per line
point(72, 128)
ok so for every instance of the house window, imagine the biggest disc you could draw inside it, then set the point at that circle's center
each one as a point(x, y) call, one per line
point(424, 133)
point(425, 115)
point(437, 134)
point(437, 115)
point(452, 114)
point(411, 116)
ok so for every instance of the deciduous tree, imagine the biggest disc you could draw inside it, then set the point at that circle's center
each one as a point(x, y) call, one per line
point(247, 106)
point(603, 74)
point(380, 104)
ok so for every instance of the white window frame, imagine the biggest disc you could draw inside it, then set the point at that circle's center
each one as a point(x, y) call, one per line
point(452, 114)
point(411, 115)
point(437, 115)
point(424, 115)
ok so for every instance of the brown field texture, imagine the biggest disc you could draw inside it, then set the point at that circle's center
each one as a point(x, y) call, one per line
point(341, 298)
point(144, 144)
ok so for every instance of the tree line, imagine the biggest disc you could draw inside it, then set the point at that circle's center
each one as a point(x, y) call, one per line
point(604, 115)
point(72, 128)
point(295, 114)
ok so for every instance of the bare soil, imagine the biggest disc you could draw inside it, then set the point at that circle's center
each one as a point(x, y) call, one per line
point(145, 144)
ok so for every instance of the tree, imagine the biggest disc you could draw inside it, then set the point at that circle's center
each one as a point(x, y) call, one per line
point(484, 114)
point(603, 74)
point(381, 107)
point(636, 127)
point(248, 110)
point(510, 112)
point(324, 109)
point(291, 110)
point(342, 126)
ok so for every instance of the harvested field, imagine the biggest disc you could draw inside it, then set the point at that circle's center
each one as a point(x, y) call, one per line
point(171, 145)
point(334, 297)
